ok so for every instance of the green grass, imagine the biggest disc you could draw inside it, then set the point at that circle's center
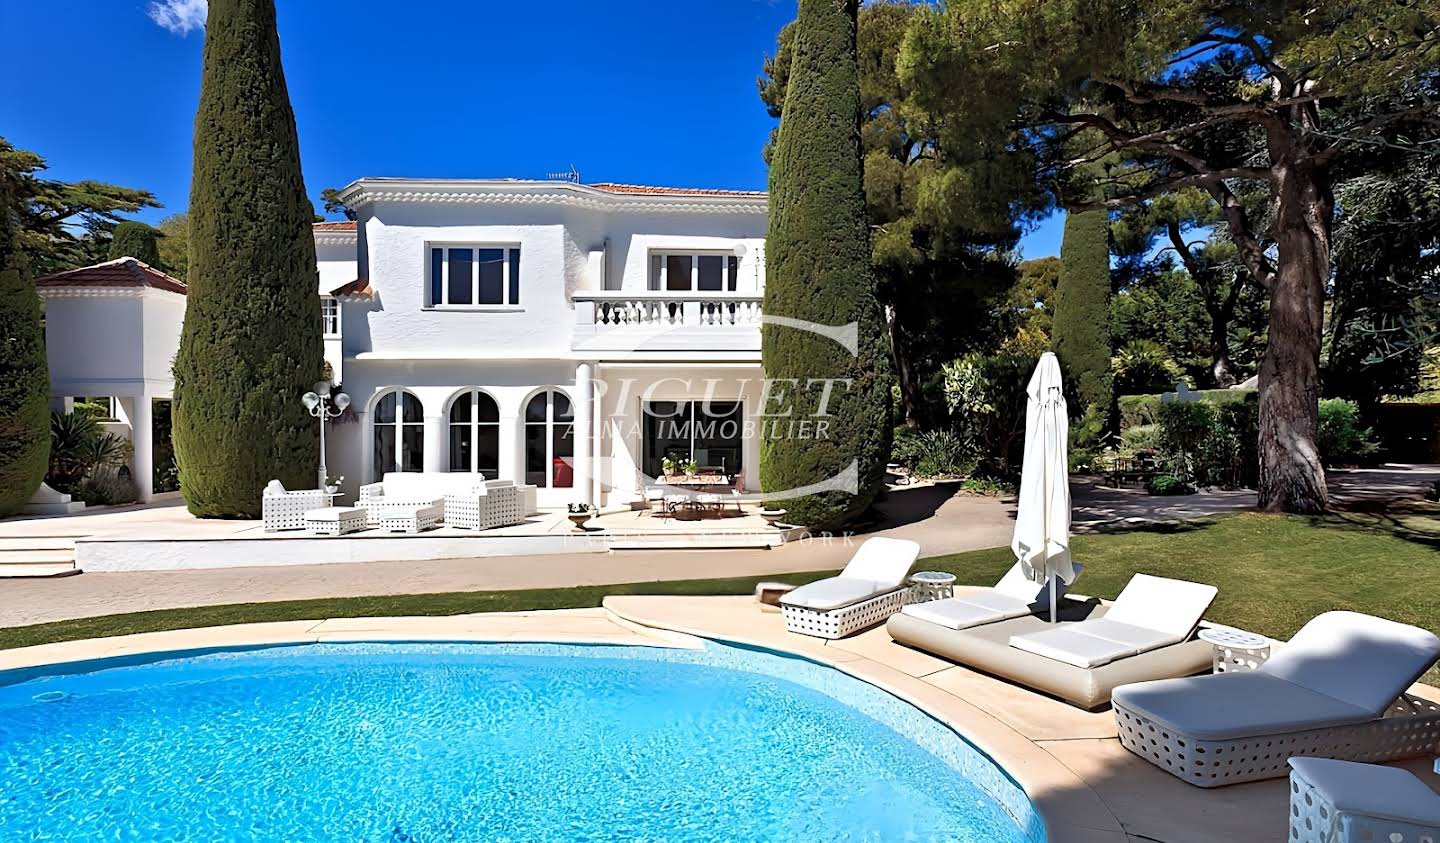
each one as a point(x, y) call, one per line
point(1274, 573)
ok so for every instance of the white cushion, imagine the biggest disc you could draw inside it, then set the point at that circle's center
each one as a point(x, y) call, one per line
point(1363, 660)
point(1226, 706)
point(1138, 637)
point(1064, 644)
point(1165, 605)
point(987, 599)
point(428, 485)
point(834, 593)
point(1371, 789)
point(883, 560)
point(1020, 587)
point(954, 613)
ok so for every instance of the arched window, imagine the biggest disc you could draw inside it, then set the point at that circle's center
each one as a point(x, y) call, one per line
point(399, 433)
point(549, 441)
point(475, 434)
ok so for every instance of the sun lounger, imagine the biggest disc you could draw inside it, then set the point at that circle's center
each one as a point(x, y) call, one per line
point(869, 590)
point(1151, 612)
point(1014, 596)
point(1337, 690)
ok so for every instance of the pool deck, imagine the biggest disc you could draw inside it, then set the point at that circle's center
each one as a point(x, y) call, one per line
point(1085, 785)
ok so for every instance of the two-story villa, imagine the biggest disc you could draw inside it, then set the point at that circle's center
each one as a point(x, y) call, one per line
point(569, 336)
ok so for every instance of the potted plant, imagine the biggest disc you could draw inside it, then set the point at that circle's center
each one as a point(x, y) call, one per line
point(692, 467)
point(332, 485)
point(579, 513)
point(669, 466)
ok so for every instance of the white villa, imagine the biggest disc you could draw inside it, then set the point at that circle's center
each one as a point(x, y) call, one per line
point(566, 336)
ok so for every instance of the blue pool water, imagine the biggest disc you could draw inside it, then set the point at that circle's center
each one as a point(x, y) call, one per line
point(438, 742)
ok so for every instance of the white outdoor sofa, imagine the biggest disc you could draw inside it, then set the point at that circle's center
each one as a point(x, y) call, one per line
point(285, 510)
point(869, 590)
point(1347, 802)
point(1337, 690)
point(464, 498)
point(1014, 596)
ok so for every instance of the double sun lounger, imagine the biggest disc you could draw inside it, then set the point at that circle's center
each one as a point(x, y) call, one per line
point(1006, 631)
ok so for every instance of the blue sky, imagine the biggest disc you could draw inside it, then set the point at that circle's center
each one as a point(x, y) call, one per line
point(630, 91)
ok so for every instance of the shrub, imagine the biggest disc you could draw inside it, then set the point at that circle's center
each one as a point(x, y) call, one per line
point(1141, 437)
point(988, 486)
point(1184, 426)
point(943, 452)
point(79, 446)
point(136, 240)
point(1340, 436)
point(1080, 329)
point(1167, 484)
point(986, 397)
point(818, 254)
point(24, 387)
point(107, 486)
point(905, 445)
point(1139, 410)
point(249, 346)
point(1143, 366)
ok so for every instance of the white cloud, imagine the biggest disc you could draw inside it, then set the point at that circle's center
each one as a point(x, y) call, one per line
point(179, 16)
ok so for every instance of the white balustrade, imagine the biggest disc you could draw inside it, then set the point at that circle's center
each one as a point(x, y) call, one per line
point(602, 311)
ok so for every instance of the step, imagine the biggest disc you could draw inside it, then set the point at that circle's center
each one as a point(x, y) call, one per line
point(9, 543)
point(15, 570)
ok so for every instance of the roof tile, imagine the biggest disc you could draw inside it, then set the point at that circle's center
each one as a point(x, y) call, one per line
point(121, 272)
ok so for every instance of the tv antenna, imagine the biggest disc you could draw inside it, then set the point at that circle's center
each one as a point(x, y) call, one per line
point(572, 175)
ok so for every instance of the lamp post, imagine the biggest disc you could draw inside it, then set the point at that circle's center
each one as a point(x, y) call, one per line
point(324, 407)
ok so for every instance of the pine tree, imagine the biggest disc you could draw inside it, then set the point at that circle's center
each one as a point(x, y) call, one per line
point(251, 345)
point(818, 271)
point(24, 374)
point(1080, 330)
point(136, 240)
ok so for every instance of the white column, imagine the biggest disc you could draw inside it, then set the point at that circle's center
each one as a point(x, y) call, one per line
point(584, 431)
point(512, 462)
point(435, 444)
point(142, 434)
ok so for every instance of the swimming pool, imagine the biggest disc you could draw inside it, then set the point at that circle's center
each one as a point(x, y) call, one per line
point(425, 742)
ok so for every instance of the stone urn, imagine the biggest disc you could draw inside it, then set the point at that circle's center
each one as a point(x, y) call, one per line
point(772, 516)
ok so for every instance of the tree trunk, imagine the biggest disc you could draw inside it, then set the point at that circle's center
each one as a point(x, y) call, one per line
point(1221, 368)
point(911, 396)
point(1292, 478)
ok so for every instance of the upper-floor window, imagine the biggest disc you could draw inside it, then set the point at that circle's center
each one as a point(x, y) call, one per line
point(691, 271)
point(467, 276)
point(330, 316)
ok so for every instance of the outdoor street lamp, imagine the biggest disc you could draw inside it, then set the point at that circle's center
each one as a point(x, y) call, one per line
point(324, 406)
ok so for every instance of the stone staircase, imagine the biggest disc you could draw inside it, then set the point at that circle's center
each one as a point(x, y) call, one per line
point(40, 556)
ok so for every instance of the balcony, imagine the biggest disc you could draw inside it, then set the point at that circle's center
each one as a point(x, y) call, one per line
point(619, 321)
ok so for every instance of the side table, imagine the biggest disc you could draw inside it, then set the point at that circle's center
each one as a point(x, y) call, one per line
point(1236, 651)
point(931, 585)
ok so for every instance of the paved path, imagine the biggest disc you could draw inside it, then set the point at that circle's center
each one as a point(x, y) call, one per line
point(942, 521)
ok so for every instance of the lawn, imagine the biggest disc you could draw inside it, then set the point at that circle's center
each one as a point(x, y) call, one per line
point(1274, 573)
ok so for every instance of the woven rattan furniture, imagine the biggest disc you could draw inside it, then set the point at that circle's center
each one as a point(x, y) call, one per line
point(335, 520)
point(285, 510)
point(1337, 690)
point(1236, 650)
point(869, 590)
point(926, 586)
point(493, 503)
point(1344, 802)
point(400, 518)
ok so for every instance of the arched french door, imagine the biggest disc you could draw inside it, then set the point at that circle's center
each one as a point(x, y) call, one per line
point(398, 433)
point(550, 441)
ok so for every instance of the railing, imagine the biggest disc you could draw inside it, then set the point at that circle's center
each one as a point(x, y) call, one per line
point(613, 310)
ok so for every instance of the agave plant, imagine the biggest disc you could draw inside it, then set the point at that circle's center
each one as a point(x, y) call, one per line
point(78, 446)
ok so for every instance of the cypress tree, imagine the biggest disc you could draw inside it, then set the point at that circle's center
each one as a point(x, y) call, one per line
point(818, 270)
point(251, 343)
point(136, 240)
point(24, 374)
point(1080, 331)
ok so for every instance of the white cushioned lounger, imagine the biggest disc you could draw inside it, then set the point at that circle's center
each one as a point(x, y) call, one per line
point(1014, 596)
point(869, 590)
point(1337, 690)
point(1150, 612)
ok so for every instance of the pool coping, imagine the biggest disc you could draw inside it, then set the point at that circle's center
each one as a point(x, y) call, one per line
point(1068, 808)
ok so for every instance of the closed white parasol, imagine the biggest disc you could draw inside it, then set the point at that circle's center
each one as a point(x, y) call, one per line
point(1042, 524)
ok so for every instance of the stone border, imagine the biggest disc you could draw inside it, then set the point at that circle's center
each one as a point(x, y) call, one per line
point(1069, 808)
